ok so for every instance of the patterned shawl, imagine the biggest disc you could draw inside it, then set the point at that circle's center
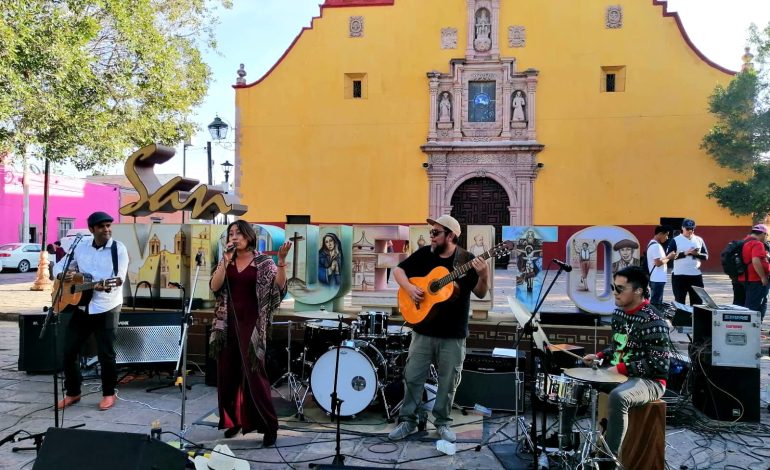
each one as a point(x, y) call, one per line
point(269, 298)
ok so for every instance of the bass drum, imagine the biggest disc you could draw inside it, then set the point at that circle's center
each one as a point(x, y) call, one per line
point(361, 368)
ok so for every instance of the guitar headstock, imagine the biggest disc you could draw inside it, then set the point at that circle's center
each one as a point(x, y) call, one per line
point(501, 249)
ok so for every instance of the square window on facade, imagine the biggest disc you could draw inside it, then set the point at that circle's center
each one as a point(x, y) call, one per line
point(481, 101)
point(65, 224)
point(355, 86)
point(613, 79)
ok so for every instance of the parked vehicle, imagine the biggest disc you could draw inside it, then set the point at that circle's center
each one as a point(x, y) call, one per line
point(67, 240)
point(21, 256)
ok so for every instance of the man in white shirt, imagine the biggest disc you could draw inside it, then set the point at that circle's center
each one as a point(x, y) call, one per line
point(103, 258)
point(657, 264)
point(689, 251)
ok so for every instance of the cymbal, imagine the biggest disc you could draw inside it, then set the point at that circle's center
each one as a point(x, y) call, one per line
point(323, 315)
point(589, 374)
point(522, 315)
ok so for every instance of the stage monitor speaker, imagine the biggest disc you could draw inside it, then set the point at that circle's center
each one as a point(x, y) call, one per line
point(79, 449)
point(495, 390)
point(727, 393)
point(35, 354)
point(148, 337)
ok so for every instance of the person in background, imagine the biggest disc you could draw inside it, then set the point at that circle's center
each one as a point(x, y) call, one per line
point(59, 250)
point(51, 259)
point(249, 287)
point(689, 250)
point(657, 264)
point(757, 269)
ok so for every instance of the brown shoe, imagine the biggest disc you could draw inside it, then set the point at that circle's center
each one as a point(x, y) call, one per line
point(107, 402)
point(67, 401)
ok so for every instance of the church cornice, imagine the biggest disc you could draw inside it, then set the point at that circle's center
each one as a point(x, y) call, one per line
point(491, 146)
point(675, 15)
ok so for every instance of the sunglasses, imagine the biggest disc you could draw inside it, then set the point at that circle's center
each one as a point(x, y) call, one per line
point(619, 289)
point(436, 233)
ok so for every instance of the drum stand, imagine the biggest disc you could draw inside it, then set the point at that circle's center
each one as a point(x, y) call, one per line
point(595, 448)
point(295, 384)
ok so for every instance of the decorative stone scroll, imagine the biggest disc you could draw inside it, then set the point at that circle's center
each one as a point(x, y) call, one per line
point(356, 26)
point(614, 17)
point(517, 36)
point(449, 38)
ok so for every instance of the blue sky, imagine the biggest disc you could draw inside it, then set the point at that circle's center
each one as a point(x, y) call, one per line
point(257, 32)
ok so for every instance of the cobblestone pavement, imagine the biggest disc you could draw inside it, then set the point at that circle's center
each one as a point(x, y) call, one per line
point(692, 441)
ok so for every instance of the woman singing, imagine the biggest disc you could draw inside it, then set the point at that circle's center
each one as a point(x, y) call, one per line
point(249, 287)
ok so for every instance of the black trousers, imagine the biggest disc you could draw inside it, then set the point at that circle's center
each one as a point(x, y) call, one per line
point(682, 285)
point(103, 326)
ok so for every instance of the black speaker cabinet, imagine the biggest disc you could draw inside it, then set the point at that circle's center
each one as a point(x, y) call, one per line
point(35, 354)
point(79, 449)
point(495, 390)
point(727, 393)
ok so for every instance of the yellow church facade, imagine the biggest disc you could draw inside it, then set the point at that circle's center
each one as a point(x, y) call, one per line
point(528, 112)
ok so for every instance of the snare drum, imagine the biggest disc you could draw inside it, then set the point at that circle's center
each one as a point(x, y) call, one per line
point(320, 335)
point(372, 324)
point(398, 338)
point(361, 369)
point(560, 389)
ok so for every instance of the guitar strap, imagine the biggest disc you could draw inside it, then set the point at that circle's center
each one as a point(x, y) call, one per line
point(114, 250)
point(461, 257)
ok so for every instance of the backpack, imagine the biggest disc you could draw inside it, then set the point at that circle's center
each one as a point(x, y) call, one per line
point(732, 259)
point(643, 259)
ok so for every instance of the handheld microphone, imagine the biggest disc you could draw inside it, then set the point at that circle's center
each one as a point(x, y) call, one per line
point(566, 267)
point(229, 248)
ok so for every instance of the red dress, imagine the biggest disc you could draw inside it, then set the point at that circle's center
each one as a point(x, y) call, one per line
point(244, 394)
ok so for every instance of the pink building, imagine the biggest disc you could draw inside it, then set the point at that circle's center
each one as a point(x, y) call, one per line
point(70, 201)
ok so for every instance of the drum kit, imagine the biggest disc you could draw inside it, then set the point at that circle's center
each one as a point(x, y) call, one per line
point(372, 356)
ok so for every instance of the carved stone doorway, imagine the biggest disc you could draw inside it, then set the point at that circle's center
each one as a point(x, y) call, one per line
point(482, 201)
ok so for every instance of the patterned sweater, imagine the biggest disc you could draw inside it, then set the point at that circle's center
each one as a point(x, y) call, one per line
point(640, 344)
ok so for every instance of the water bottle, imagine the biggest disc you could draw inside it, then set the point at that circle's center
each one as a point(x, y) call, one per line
point(445, 447)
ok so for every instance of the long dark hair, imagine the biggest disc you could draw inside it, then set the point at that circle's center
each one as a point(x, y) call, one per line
point(246, 230)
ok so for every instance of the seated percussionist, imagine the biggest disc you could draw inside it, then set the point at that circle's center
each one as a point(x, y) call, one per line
point(639, 349)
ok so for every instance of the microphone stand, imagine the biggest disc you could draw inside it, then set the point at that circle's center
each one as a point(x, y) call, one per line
point(52, 318)
point(187, 322)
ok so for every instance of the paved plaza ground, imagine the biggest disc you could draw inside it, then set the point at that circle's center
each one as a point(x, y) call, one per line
point(692, 441)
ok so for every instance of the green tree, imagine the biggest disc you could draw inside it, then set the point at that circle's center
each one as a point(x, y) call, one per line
point(88, 81)
point(740, 139)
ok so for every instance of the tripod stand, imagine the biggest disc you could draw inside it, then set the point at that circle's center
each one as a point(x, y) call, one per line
point(295, 385)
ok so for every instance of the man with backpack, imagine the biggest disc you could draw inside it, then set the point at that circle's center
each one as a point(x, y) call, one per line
point(757, 269)
point(657, 264)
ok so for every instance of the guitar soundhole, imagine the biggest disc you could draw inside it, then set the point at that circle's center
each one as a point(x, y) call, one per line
point(435, 287)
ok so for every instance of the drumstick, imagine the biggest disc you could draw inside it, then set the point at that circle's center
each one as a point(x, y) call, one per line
point(568, 352)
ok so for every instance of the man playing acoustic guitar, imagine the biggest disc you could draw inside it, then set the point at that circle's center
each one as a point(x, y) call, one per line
point(440, 337)
point(102, 258)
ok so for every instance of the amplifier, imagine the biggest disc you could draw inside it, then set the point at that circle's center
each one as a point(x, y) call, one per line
point(148, 337)
point(495, 390)
point(482, 360)
point(720, 396)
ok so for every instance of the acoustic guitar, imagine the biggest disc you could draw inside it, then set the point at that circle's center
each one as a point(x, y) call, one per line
point(438, 285)
point(79, 290)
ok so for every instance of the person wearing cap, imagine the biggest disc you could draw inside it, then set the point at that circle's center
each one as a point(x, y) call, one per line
point(103, 258)
point(625, 249)
point(757, 269)
point(440, 338)
point(689, 250)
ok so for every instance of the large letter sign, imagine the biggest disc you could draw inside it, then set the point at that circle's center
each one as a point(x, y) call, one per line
point(619, 248)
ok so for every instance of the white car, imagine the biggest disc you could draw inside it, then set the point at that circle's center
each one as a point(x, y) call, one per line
point(21, 256)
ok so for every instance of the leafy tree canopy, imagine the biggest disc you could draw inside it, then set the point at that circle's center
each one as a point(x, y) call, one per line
point(740, 139)
point(87, 81)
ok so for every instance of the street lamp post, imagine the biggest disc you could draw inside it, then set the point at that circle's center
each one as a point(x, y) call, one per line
point(226, 167)
point(218, 130)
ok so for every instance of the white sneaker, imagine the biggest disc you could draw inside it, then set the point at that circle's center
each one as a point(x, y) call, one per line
point(446, 433)
point(403, 429)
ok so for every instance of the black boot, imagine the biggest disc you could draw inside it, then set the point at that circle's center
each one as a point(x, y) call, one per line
point(230, 432)
point(269, 439)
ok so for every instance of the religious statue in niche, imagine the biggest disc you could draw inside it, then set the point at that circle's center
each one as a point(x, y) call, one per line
point(519, 104)
point(528, 251)
point(444, 108)
point(483, 41)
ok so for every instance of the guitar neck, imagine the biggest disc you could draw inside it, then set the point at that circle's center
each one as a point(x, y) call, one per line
point(457, 273)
